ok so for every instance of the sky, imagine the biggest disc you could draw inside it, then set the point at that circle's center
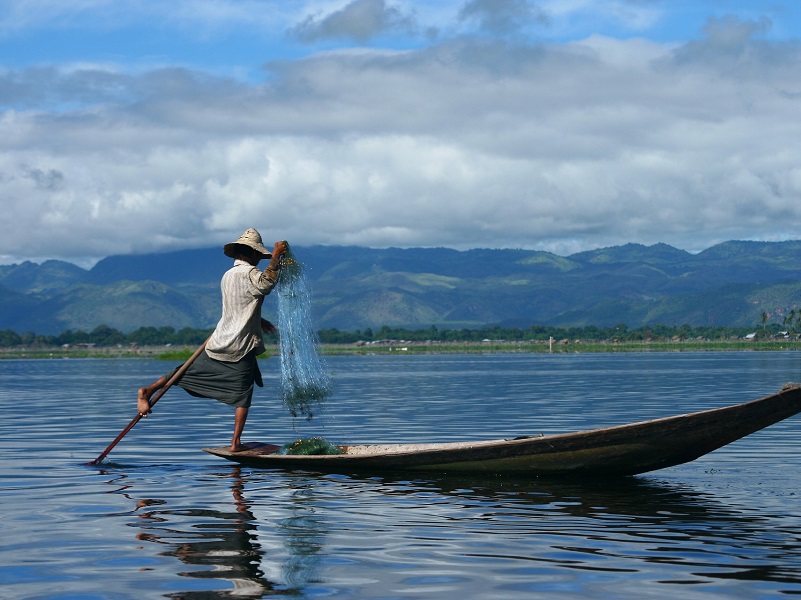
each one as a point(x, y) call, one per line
point(140, 126)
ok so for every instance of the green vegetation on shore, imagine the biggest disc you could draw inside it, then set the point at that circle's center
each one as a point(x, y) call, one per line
point(168, 344)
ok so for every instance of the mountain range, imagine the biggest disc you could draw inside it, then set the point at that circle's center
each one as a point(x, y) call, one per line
point(729, 284)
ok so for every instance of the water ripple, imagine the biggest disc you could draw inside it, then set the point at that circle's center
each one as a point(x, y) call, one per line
point(159, 518)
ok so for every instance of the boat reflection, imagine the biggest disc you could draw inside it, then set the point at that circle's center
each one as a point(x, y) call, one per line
point(648, 519)
point(284, 528)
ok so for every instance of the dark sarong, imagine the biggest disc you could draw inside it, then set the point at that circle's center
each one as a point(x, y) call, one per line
point(228, 382)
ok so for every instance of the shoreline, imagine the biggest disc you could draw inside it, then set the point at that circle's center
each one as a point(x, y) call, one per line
point(408, 347)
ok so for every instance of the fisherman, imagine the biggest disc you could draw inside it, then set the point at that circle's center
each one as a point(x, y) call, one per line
point(227, 369)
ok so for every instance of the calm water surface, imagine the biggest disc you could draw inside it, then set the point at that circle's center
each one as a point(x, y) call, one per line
point(160, 518)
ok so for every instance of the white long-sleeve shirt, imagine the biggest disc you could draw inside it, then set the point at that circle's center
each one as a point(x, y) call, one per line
point(239, 330)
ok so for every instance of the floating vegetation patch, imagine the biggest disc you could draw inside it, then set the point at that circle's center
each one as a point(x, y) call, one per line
point(309, 447)
point(305, 380)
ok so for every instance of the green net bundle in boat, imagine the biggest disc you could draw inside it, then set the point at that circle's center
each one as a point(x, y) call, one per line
point(305, 380)
point(310, 446)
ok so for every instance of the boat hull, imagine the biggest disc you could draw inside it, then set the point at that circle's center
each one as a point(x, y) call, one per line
point(612, 451)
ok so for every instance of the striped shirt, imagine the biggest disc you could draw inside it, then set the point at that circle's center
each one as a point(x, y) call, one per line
point(239, 330)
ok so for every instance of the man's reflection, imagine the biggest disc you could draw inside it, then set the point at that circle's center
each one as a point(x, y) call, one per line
point(233, 546)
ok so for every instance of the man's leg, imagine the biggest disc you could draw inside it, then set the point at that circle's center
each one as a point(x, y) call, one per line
point(144, 394)
point(240, 417)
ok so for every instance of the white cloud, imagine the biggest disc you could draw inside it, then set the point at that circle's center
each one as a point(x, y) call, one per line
point(359, 20)
point(502, 16)
point(468, 142)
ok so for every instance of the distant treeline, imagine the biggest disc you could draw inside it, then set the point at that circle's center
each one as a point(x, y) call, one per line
point(619, 332)
point(105, 336)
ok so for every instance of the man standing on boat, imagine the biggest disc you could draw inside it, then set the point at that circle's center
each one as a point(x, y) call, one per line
point(228, 369)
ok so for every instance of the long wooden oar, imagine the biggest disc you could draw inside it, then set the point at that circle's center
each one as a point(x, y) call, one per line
point(153, 401)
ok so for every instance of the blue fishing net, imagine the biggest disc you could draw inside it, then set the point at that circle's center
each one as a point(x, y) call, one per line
point(305, 380)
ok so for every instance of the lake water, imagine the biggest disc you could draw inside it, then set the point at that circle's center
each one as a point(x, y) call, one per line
point(160, 518)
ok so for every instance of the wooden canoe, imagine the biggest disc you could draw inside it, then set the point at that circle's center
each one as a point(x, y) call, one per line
point(618, 450)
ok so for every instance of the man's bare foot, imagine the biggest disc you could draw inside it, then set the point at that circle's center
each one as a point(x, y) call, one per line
point(143, 402)
point(239, 447)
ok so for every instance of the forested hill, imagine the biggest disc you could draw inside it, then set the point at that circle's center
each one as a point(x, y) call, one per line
point(731, 284)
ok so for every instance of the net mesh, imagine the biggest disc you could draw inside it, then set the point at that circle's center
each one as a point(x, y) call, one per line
point(305, 380)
